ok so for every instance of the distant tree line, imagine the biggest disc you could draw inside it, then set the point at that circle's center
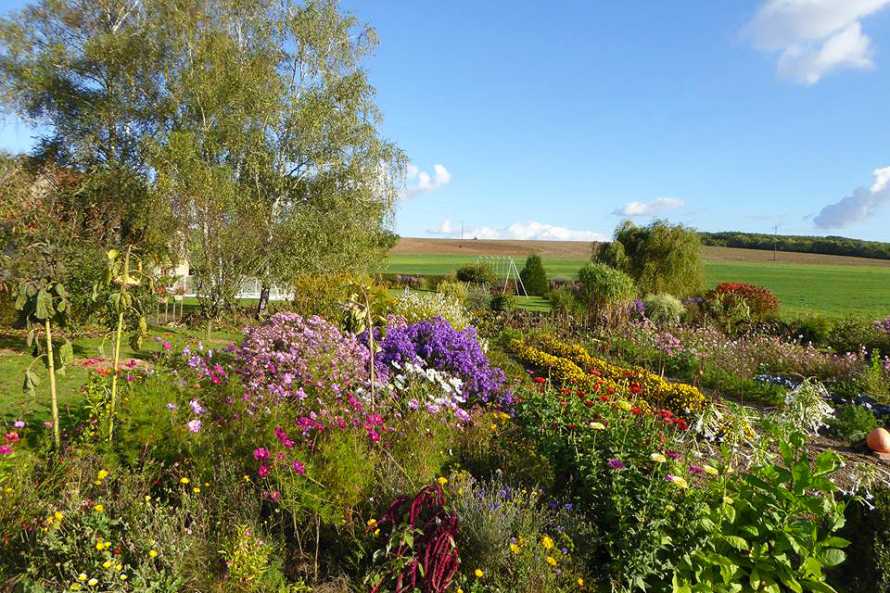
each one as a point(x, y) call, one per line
point(803, 244)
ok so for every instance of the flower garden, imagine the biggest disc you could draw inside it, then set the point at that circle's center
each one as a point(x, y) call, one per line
point(418, 456)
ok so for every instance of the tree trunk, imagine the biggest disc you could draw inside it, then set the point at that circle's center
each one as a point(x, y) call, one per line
point(57, 434)
point(264, 300)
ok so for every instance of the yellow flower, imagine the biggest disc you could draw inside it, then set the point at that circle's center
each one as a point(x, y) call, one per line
point(99, 508)
point(106, 545)
point(184, 480)
point(597, 426)
point(679, 482)
point(376, 532)
point(103, 473)
point(58, 515)
point(99, 545)
point(459, 590)
point(75, 587)
point(711, 471)
point(81, 577)
point(123, 577)
point(658, 458)
point(147, 498)
point(246, 478)
point(7, 490)
point(551, 560)
point(196, 490)
point(372, 523)
point(494, 428)
point(580, 582)
point(92, 582)
point(625, 405)
point(478, 572)
point(547, 542)
point(107, 564)
point(514, 548)
point(152, 553)
point(442, 480)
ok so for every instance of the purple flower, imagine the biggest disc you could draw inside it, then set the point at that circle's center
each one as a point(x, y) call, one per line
point(672, 455)
point(298, 467)
point(282, 437)
point(462, 415)
point(260, 453)
point(19, 424)
point(194, 425)
point(696, 469)
point(196, 407)
point(171, 406)
point(615, 464)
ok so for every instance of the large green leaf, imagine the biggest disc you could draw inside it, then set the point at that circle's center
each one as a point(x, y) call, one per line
point(44, 309)
point(832, 556)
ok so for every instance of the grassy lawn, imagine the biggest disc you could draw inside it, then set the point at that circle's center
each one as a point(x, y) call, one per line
point(801, 287)
point(15, 358)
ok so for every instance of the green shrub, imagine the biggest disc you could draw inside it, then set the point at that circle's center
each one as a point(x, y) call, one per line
point(813, 329)
point(503, 302)
point(607, 290)
point(660, 257)
point(533, 276)
point(852, 422)
point(851, 334)
point(563, 301)
point(477, 274)
point(868, 528)
point(664, 309)
point(456, 290)
point(419, 306)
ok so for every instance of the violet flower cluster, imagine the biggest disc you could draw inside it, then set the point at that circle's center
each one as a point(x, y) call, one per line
point(435, 344)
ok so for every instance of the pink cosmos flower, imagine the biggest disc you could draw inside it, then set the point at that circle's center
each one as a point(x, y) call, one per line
point(263, 471)
point(167, 345)
point(260, 453)
point(5, 450)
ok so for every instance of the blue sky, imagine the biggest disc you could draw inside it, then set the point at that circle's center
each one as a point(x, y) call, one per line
point(556, 121)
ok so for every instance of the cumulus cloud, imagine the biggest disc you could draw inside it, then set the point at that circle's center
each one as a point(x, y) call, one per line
point(653, 208)
point(420, 181)
point(525, 231)
point(861, 205)
point(814, 37)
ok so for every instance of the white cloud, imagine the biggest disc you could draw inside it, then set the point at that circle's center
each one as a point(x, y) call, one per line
point(858, 207)
point(420, 181)
point(814, 37)
point(653, 208)
point(525, 231)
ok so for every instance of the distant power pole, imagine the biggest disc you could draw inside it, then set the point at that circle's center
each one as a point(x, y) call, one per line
point(461, 230)
point(775, 242)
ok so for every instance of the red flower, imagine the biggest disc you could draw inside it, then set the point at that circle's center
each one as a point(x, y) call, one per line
point(635, 388)
point(636, 411)
point(540, 380)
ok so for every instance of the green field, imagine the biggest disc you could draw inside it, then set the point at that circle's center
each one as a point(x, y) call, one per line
point(803, 288)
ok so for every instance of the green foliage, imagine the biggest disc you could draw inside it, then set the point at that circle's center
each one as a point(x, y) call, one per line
point(774, 530)
point(534, 277)
point(479, 273)
point(606, 290)
point(799, 243)
point(660, 257)
point(456, 290)
point(868, 527)
point(563, 301)
point(852, 422)
point(664, 309)
point(502, 302)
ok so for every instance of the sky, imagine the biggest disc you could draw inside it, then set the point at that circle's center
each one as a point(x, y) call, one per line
point(533, 120)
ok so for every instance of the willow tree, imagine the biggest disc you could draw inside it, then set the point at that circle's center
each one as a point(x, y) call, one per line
point(660, 257)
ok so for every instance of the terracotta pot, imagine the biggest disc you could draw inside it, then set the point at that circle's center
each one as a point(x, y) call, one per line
point(878, 440)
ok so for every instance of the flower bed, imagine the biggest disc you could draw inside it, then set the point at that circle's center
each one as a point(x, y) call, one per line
point(566, 363)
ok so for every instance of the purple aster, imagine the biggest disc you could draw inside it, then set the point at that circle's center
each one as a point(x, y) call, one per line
point(616, 463)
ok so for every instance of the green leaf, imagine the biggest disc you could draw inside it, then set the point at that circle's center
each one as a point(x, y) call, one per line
point(736, 542)
point(31, 382)
point(818, 587)
point(836, 542)
point(44, 309)
point(66, 353)
point(832, 556)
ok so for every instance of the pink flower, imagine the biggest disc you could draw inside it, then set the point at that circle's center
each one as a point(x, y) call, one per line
point(12, 437)
point(282, 437)
point(373, 435)
point(5, 450)
point(260, 453)
point(298, 467)
point(166, 345)
point(194, 425)
point(19, 424)
point(263, 471)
